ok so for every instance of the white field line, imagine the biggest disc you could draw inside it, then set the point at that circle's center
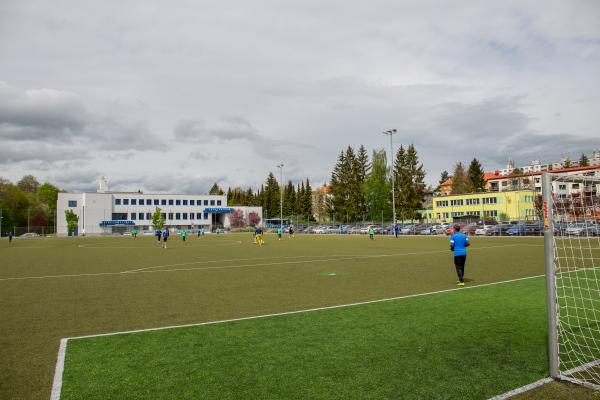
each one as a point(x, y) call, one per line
point(146, 270)
point(58, 373)
point(215, 244)
point(61, 355)
point(522, 389)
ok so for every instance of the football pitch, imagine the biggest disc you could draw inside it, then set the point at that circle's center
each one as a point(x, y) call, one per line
point(313, 317)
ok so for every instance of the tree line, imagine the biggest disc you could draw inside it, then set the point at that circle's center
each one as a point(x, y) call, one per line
point(27, 202)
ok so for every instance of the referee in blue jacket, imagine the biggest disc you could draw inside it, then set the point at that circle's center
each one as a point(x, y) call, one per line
point(458, 244)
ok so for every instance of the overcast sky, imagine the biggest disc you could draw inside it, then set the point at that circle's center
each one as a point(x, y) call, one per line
point(171, 96)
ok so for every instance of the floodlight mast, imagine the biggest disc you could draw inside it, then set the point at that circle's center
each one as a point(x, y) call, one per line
point(391, 134)
point(280, 166)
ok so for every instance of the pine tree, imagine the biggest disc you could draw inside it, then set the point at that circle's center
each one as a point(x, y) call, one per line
point(289, 199)
point(216, 190)
point(444, 177)
point(308, 201)
point(339, 186)
point(475, 175)
point(459, 179)
point(410, 181)
point(584, 161)
point(271, 197)
point(360, 172)
point(401, 183)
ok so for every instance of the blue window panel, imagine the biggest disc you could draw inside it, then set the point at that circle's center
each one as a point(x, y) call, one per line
point(218, 202)
point(125, 202)
point(117, 202)
point(148, 202)
point(177, 202)
point(212, 202)
point(198, 215)
point(163, 202)
point(170, 202)
point(205, 202)
point(199, 202)
point(156, 202)
point(184, 215)
point(185, 202)
point(72, 203)
point(177, 215)
point(141, 216)
point(133, 202)
point(192, 203)
point(205, 215)
point(148, 216)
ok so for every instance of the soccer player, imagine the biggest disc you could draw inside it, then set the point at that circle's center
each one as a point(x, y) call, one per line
point(258, 234)
point(10, 236)
point(279, 233)
point(183, 234)
point(158, 234)
point(458, 244)
point(291, 231)
point(165, 236)
point(371, 233)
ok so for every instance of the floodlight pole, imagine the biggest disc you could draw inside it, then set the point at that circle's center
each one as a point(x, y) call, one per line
point(391, 134)
point(280, 166)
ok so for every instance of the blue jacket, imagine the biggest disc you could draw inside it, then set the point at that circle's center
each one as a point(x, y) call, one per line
point(459, 243)
point(165, 233)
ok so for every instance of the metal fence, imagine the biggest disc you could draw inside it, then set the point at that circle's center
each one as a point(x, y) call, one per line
point(28, 231)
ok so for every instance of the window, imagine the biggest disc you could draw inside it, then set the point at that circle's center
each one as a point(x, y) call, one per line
point(170, 216)
point(575, 186)
point(141, 216)
point(132, 216)
point(156, 202)
point(456, 202)
point(537, 180)
point(198, 202)
point(504, 183)
point(177, 215)
point(191, 202)
point(562, 187)
point(445, 215)
point(218, 202)
point(490, 200)
point(125, 202)
point(134, 202)
point(117, 202)
point(148, 216)
point(148, 202)
point(198, 215)
point(185, 202)
point(205, 202)
point(177, 202)
point(457, 214)
point(442, 203)
point(472, 202)
point(163, 202)
point(170, 202)
point(163, 215)
point(184, 215)
point(205, 215)
point(490, 213)
point(72, 203)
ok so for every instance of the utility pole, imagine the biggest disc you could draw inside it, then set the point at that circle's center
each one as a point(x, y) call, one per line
point(280, 166)
point(391, 134)
point(28, 211)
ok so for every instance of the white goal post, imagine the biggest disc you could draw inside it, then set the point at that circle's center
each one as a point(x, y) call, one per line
point(571, 212)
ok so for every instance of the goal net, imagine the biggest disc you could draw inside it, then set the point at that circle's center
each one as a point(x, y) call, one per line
point(571, 210)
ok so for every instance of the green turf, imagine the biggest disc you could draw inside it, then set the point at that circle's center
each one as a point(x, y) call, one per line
point(471, 344)
point(70, 290)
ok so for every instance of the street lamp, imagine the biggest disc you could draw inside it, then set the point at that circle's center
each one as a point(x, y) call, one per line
point(280, 166)
point(391, 134)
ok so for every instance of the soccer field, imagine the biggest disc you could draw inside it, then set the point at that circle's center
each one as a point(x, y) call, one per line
point(470, 343)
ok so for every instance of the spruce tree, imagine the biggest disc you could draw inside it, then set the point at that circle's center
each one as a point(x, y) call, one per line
point(361, 170)
point(272, 196)
point(459, 179)
point(377, 187)
point(401, 183)
point(308, 201)
point(339, 186)
point(475, 175)
point(584, 161)
point(444, 177)
point(416, 183)
point(216, 190)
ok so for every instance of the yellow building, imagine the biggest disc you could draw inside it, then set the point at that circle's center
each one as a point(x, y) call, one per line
point(514, 205)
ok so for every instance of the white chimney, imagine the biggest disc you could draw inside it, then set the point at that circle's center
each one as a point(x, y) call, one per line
point(103, 187)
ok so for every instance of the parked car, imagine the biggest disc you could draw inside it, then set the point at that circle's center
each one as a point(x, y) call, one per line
point(408, 230)
point(318, 229)
point(29, 235)
point(426, 230)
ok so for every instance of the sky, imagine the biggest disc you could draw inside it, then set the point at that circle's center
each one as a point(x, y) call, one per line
point(173, 96)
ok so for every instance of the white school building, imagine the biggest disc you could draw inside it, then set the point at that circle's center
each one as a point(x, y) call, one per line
point(105, 212)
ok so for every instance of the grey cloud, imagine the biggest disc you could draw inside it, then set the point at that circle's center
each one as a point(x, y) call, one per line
point(231, 129)
point(51, 117)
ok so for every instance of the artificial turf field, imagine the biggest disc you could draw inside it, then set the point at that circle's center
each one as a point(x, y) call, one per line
point(469, 343)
